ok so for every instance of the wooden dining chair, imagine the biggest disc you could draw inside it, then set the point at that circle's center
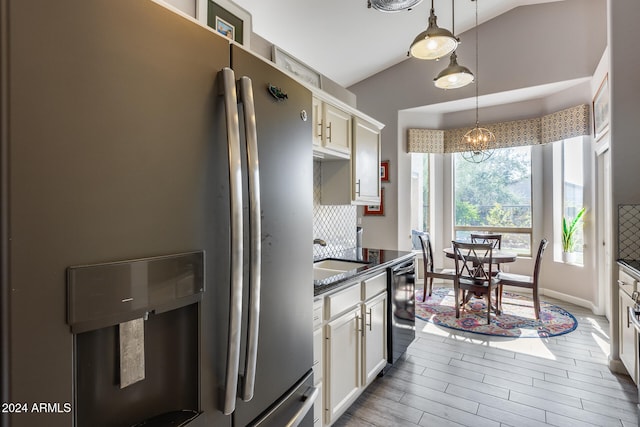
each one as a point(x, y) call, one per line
point(529, 282)
point(494, 239)
point(430, 272)
point(474, 274)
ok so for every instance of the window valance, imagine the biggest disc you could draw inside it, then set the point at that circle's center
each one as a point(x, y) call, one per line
point(568, 123)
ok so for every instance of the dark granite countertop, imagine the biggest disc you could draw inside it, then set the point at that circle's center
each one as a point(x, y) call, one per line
point(376, 260)
point(631, 264)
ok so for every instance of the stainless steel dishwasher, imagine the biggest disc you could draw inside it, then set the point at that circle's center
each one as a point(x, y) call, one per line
point(402, 304)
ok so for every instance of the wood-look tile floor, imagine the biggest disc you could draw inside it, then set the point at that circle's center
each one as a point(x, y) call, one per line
point(448, 378)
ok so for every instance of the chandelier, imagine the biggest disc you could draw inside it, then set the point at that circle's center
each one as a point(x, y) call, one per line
point(478, 141)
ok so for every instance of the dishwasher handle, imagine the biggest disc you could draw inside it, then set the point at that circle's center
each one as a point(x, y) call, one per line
point(404, 268)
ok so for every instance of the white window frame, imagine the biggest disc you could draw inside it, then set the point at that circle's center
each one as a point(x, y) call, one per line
point(536, 189)
point(558, 196)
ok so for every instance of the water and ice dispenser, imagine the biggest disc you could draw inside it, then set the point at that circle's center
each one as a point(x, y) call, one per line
point(136, 340)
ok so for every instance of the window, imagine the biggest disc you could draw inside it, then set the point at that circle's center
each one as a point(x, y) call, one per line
point(419, 195)
point(420, 191)
point(572, 176)
point(495, 196)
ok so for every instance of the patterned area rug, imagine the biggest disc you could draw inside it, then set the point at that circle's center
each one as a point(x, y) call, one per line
point(517, 318)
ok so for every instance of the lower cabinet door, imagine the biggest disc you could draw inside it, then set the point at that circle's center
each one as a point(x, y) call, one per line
point(342, 376)
point(375, 337)
point(628, 341)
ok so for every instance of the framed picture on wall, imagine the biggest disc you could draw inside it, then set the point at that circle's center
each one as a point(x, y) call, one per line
point(292, 65)
point(226, 18)
point(376, 209)
point(225, 28)
point(601, 109)
point(384, 171)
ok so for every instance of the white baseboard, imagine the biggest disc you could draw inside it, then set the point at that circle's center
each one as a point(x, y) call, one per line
point(573, 300)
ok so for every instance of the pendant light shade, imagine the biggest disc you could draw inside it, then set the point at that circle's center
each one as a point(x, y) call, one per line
point(454, 76)
point(393, 5)
point(434, 42)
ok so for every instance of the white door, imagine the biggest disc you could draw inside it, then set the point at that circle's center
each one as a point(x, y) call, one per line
point(337, 129)
point(343, 367)
point(375, 333)
point(366, 162)
point(604, 207)
point(628, 336)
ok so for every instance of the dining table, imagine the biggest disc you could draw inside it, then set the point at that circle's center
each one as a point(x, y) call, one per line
point(498, 256)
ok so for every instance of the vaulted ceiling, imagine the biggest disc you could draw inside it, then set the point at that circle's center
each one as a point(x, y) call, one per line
point(348, 42)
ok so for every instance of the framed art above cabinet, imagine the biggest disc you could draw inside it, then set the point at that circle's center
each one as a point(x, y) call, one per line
point(226, 18)
point(294, 66)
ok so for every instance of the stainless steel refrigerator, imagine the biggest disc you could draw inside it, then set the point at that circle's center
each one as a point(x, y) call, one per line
point(125, 169)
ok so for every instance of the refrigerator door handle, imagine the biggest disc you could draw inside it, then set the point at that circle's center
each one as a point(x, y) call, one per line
point(235, 196)
point(255, 267)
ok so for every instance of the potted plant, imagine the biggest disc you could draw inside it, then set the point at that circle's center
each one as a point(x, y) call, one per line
point(568, 236)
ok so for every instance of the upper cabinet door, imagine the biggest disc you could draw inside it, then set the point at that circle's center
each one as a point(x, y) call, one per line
point(316, 110)
point(337, 129)
point(366, 162)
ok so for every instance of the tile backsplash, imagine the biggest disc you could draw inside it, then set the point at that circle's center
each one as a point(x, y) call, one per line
point(629, 232)
point(335, 224)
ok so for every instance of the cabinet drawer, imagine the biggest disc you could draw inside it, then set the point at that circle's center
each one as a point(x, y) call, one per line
point(373, 286)
point(341, 301)
point(317, 313)
point(627, 282)
point(317, 356)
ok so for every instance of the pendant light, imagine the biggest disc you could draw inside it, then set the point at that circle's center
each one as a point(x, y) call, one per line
point(392, 5)
point(477, 141)
point(434, 42)
point(454, 76)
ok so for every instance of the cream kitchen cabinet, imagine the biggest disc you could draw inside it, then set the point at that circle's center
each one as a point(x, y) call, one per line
point(343, 362)
point(365, 161)
point(355, 342)
point(375, 333)
point(628, 336)
point(355, 182)
point(318, 361)
point(332, 132)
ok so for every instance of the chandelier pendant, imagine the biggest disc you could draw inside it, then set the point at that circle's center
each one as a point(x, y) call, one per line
point(478, 142)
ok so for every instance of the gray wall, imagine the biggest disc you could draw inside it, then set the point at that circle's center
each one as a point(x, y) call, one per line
point(528, 56)
point(624, 84)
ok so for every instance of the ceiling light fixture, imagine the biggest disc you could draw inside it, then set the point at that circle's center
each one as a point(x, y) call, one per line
point(478, 141)
point(392, 5)
point(434, 42)
point(454, 76)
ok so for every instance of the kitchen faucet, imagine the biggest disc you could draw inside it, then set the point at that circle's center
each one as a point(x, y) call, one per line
point(319, 242)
